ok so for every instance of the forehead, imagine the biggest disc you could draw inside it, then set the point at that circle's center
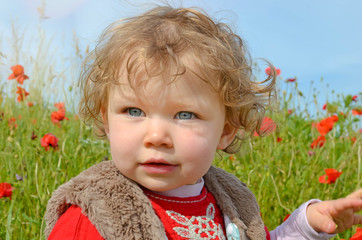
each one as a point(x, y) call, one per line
point(188, 85)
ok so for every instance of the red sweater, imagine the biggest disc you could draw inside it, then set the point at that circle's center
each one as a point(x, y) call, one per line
point(74, 225)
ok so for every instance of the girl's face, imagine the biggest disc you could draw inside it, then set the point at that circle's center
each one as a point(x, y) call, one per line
point(165, 136)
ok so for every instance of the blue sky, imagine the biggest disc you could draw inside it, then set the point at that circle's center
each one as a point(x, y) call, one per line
point(306, 39)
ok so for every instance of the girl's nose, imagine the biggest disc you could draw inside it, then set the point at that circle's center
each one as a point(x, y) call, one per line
point(158, 134)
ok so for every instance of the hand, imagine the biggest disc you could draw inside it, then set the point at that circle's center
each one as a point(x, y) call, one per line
point(335, 216)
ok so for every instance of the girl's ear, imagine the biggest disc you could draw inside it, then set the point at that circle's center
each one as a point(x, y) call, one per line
point(227, 136)
point(105, 119)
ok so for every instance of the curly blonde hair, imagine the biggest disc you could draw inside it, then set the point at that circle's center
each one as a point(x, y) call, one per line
point(155, 42)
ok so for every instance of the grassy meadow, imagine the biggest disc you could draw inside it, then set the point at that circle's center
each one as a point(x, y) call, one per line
point(282, 169)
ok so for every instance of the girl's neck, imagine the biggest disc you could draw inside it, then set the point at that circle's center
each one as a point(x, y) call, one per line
point(185, 190)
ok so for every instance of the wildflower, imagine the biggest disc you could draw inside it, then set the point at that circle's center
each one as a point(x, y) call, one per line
point(354, 98)
point(33, 136)
point(357, 235)
point(326, 125)
point(267, 126)
point(58, 116)
point(30, 104)
point(6, 190)
point(357, 111)
point(12, 123)
point(269, 72)
point(311, 153)
point(291, 79)
point(18, 74)
point(290, 111)
point(319, 142)
point(49, 140)
point(59, 105)
point(22, 94)
point(330, 176)
point(279, 139)
point(18, 177)
point(324, 106)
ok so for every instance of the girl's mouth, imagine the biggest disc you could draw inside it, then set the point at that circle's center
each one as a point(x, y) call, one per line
point(158, 166)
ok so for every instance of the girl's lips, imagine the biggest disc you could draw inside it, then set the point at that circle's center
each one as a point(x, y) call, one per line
point(158, 167)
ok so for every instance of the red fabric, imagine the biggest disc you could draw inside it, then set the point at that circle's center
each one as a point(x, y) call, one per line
point(183, 217)
point(267, 233)
point(74, 225)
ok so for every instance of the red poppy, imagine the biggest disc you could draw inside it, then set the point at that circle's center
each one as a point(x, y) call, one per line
point(291, 79)
point(324, 106)
point(49, 140)
point(33, 136)
point(59, 105)
point(330, 176)
point(286, 217)
point(267, 126)
point(58, 116)
point(319, 142)
point(357, 111)
point(6, 190)
point(22, 94)
point(30, 104)
point(279, 139)
point(290, 111)
point(354, 98)
point(18, 73)
point(357, 235)
point(353, 139)
point(12, 123)
point(326, 125)
point(269, 72)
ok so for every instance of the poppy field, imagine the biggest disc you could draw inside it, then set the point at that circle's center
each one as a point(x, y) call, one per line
point(304, 155)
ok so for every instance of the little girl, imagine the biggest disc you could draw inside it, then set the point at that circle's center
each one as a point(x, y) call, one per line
point(168, 89)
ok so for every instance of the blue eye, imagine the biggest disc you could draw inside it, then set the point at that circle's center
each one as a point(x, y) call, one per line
point(135, 112)
point(185, 115)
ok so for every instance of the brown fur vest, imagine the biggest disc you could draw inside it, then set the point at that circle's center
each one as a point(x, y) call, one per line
point(118, 208)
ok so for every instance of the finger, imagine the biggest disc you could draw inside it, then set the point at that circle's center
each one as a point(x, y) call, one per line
point(348, 203)
point(321, 222)
point(357, 219)
point(328, 226)
point(356, 194)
